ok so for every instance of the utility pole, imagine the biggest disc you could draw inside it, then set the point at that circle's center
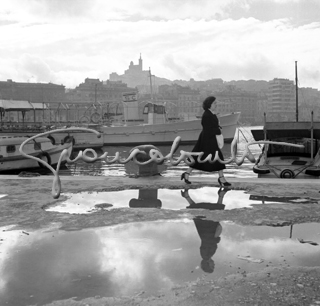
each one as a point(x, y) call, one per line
point(297, 107)
point(150, 76)
point(95, 94)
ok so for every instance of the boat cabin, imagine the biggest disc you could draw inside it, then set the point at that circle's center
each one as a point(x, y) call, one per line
point(154, 113)
point(9, 145)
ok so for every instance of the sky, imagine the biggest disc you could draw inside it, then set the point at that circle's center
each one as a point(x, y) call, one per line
point(66, 41)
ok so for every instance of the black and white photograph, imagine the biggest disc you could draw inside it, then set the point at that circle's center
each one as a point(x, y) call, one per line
point(159, 152)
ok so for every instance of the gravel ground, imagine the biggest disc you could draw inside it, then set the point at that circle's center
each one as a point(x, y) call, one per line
point(23, 207)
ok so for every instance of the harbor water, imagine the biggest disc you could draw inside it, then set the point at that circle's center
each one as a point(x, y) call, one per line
point(101, 168)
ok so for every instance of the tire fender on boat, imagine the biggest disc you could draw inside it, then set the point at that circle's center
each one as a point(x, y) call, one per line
point(48, 159)
point(258, 170)
point(68, 138)
point(53, 141)
point(287, 174)
point(313, 172)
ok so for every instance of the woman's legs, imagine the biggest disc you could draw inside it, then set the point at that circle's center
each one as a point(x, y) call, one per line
point(222, 180)
point(189, 170)
point(221, 175)
point(185, 175)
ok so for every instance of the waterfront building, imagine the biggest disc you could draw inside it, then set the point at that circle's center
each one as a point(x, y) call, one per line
point(233, 99)
point(309, 101)
point(95, 96)
point(32, 92)
point(96, 91)
point(281, 100)
point(182, 102)
point(44, 93)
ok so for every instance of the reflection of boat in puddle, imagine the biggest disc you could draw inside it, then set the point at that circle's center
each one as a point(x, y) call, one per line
point(173, 199)
point(138, 258)
point(265, 199)
point(146, 198)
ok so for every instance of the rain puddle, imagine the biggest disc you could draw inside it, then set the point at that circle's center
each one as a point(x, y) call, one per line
point(142, 258)
point(206, 197)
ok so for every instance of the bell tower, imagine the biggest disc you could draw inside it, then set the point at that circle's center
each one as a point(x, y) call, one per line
point(140, 63)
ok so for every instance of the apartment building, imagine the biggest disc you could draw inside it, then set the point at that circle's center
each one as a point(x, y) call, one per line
point(281, 100)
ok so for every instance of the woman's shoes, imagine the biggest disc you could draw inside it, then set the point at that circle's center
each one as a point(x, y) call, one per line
point(185, 177)
point(223, 184)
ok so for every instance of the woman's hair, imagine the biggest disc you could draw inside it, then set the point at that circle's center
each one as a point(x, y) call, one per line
point(206, 104)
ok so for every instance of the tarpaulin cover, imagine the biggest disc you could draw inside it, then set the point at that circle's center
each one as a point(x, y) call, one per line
point(19, 105)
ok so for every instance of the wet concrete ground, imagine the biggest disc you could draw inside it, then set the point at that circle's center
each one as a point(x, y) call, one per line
point(91, 247)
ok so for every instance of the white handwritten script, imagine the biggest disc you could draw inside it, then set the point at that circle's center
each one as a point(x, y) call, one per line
point(155, 155)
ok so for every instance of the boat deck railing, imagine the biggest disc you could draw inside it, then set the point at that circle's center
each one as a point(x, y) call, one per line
point(30, 127)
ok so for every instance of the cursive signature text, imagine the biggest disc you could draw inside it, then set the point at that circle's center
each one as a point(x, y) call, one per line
point(155, 155)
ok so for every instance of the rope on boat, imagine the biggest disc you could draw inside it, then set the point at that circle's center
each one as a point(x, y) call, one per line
point(239, 128)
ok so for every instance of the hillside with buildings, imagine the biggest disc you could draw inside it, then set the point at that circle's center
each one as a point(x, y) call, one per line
point(183, 98)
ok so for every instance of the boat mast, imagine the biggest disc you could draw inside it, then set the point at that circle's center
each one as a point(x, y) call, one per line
point(297, 111)
point(150, 77)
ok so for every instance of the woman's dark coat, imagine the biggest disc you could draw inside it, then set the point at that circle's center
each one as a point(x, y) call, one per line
point(207, 143)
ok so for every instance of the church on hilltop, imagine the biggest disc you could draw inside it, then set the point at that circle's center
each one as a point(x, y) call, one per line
point(135, 76)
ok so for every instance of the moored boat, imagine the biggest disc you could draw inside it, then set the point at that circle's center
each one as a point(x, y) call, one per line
point(151, 126)
point(281, 161)
point(294, 148)
point(12, 161)
point(165, 133)
point(156, 131)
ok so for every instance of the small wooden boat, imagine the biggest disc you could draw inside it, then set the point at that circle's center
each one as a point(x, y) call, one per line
point(301, 160)
point(12, 161)
point(282, 161)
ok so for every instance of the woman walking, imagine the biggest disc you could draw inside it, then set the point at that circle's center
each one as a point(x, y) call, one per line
point(207, 143)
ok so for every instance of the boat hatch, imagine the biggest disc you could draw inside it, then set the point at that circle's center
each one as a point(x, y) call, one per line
point(153, 108)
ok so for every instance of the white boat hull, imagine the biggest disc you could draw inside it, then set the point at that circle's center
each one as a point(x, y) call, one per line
point(19, 162)
point(156, 134)
point(166, 133)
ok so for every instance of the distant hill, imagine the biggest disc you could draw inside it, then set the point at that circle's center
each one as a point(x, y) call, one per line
point(251, 85)
point(216, 84)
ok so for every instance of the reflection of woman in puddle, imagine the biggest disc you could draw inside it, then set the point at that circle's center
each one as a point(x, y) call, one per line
point(146, 198)
point(208, 230)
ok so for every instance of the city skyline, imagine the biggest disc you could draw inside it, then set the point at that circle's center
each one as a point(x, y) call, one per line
point(64, 42)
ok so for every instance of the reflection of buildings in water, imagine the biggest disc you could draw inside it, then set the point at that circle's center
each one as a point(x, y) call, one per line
point(86, 168)
point(209, 231)
point(147, 198)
